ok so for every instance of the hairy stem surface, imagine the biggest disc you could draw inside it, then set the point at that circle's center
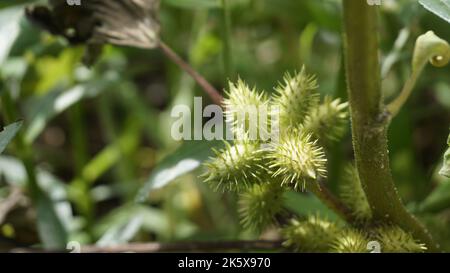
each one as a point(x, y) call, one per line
point(369, 124)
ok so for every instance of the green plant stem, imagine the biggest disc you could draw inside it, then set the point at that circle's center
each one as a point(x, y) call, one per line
point(79, 148)
point(78, 137)
point(98, 165)
point(369, 122)
point(148, 116)
point(227, 54)
point(124, 171)
point(398, 103)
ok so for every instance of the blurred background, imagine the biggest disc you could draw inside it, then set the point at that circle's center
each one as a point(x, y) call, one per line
point(99, 136)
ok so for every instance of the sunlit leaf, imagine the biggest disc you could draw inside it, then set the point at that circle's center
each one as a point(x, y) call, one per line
point(121, 234)
point(9, 30)
point(8, 133)
point(43, 109)
point(439, 7)
point(185, 159)
point(150, 220)
point(445, 170)
point(52, 71)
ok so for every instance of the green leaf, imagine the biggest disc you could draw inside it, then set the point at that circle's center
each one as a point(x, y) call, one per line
point(54, 213)
point(194, 4)
point(8, 133)
point(42, 109)
point(8, 3)
point(50, 227)
point(438, 200)
point(121, 234)
point(14, 68)
point(53, 71)
point(185, 159)
point(9, 30)
point(445, 170)
point(439, 7)
point(152, 220)
point(307, 205)
point(148, 218)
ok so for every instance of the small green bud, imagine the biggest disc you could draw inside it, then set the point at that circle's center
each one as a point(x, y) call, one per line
point(296, 97)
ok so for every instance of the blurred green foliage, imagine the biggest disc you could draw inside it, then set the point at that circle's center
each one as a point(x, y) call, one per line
point(101, 135)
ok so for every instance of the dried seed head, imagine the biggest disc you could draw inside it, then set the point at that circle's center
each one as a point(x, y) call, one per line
point(126, 22)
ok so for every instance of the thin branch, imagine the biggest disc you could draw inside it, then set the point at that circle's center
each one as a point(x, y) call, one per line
point(395, 106)
point(213, 93)
point(156, 247)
